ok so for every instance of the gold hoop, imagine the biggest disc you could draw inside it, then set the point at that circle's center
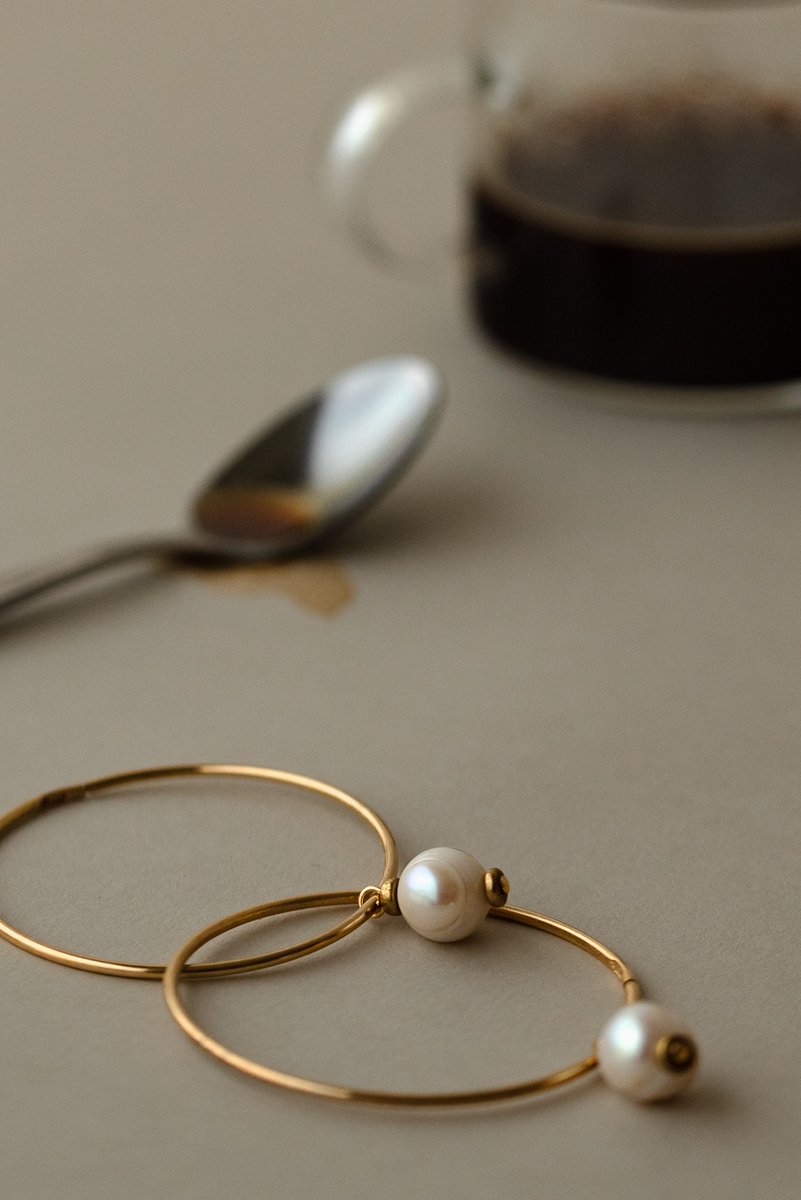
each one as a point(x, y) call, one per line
point(371, 906)
point(54, 799)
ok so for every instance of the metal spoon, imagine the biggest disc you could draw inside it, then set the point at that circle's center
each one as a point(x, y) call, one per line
point(305, 478)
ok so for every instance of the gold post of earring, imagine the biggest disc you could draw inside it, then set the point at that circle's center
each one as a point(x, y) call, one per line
point(381, 899)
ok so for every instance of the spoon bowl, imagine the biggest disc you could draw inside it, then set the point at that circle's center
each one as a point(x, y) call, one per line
point(312, 472)
point(327, 460)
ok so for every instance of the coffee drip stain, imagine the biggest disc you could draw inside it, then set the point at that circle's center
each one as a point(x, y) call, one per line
point(320, 585)
point(241, 507)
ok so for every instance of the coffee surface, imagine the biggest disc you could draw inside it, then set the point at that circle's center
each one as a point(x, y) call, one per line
point(689, 159)
point(650, 236)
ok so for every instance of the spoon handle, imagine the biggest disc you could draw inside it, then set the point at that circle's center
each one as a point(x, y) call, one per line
point(29, 585)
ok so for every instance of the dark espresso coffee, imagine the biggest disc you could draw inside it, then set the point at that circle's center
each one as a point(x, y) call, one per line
point(651, 237)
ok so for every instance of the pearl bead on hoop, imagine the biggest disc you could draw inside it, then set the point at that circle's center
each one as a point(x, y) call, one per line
point(445, 894)
point(647, 1053)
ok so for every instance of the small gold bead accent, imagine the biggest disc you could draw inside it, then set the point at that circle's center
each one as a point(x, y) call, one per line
point(496, 887)
point(389, 898)
point(677, 1053)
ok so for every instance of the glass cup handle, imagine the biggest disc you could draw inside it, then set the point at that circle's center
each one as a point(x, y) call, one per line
point(362, 132)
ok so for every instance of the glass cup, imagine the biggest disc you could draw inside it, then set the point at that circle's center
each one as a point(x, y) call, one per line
point(633, 187)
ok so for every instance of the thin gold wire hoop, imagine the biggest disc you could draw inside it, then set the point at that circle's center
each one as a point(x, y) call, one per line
point(109, 783)
point(178, 965)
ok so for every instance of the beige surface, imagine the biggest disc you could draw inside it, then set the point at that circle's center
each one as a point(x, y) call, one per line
point(572, 648)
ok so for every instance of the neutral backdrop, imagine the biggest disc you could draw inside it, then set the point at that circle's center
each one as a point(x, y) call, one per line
point(569, 642)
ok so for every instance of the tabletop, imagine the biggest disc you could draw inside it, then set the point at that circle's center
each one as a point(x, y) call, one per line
point(567, 642)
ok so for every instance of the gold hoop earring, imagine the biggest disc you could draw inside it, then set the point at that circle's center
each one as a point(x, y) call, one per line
point(644, 1051)
point(49, 800)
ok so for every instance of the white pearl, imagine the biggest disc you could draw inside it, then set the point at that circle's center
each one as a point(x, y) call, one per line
point(442, 896)
point(634, 1052)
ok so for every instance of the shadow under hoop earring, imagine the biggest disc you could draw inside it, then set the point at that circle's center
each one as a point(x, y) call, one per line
point(112, 783)
point(644, 1051)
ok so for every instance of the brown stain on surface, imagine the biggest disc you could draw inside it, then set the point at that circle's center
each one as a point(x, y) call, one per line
point(319, 585)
